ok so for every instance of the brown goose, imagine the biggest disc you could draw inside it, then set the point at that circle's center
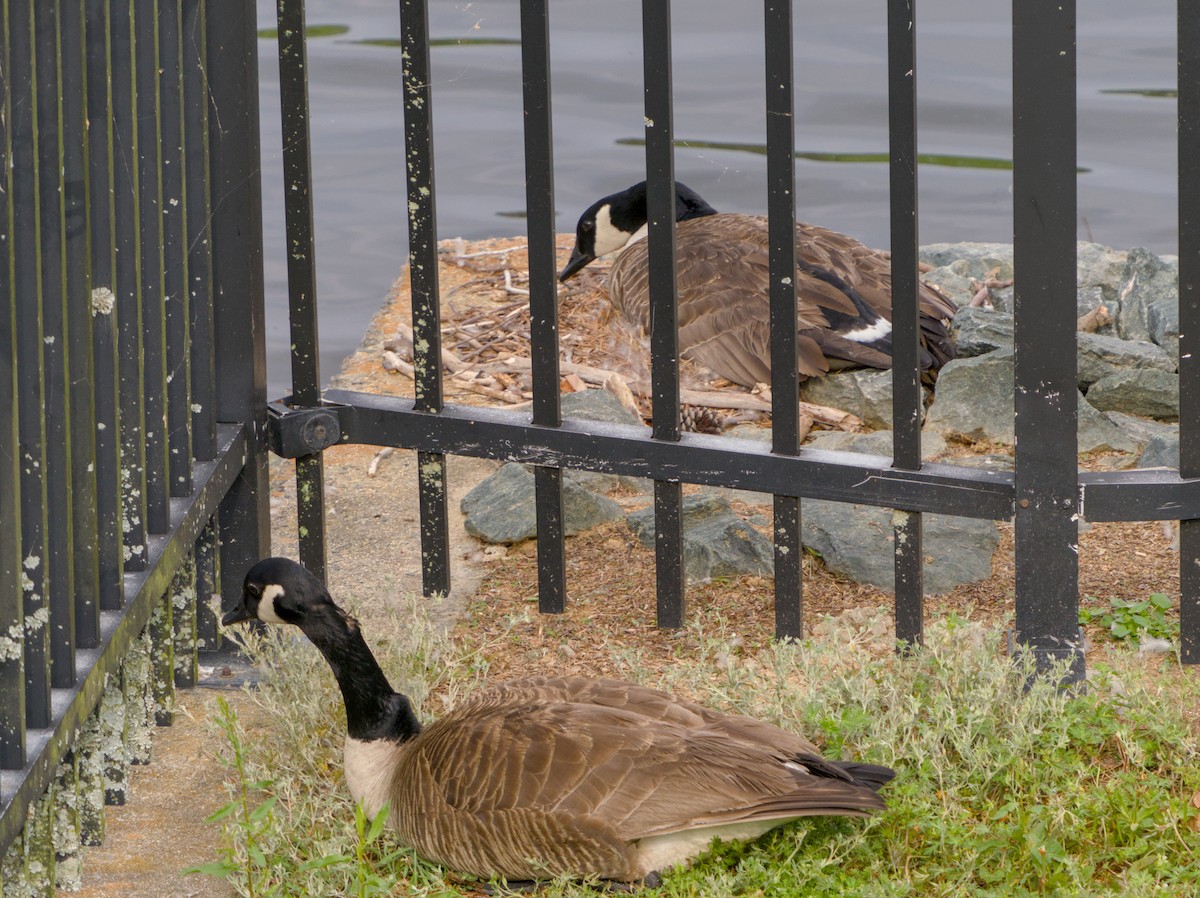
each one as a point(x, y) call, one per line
point(557, 775)
point(843, 289)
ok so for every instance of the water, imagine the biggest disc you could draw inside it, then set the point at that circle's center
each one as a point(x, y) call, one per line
point(1126, 132)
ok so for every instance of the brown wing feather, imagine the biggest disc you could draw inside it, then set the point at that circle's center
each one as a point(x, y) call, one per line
point(722, 279)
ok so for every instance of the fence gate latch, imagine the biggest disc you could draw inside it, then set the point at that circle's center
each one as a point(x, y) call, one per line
point(293, 432)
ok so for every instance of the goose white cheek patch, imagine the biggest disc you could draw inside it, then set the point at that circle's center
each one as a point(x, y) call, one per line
point(609, 238)
point(266, 605)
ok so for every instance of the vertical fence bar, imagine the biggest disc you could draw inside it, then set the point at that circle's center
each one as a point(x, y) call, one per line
point(207, 584)
point(154, 323)
point(785, 381)
point(423, 278)
point(1044, 251)
point(24, 199)
point(128, 291)
point(231, 42)
point(106, 386)
point(175, 252)
point(58, 560)
point(202, 364)
point(906, 369)
point(12, 687)
point(664, 333)
point(302, 276)
point(80, 367)
point(543, 298)
point(1189, 318)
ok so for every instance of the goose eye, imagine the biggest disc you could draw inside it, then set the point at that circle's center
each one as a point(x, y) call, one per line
point(587, 226)
point(254, 589)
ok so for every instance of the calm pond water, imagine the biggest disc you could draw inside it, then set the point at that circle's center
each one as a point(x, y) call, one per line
point(1126, 128)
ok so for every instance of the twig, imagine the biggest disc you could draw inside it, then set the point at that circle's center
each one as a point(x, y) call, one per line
point(707, 398)
point(508, 285)
point(1094, 320)
point(383, 453)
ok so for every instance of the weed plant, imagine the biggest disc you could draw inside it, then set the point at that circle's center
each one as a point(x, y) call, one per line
point(1002, 788)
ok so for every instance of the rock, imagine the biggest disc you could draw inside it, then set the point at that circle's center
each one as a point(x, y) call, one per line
point(1141, 430)
point(750, 432)
point(985, 462)
point(978, 331)
point(1100, 355)
point(501, 508)
point(716, 542)
point(954, 264)
point(1150, 310)
point(840, 391)
point(1099, 273)
point(597, 405)
point(1098, 434)
point(1137, 391)
point(973, 400)
point(863, 392)
point(1162, 451)
point(877, 443)
point(857, 541)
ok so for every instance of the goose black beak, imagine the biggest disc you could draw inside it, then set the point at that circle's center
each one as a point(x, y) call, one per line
point(577, 261)
point(237, 615)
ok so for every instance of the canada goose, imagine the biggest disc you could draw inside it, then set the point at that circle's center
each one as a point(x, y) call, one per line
point(554, 775)
point(843, 289)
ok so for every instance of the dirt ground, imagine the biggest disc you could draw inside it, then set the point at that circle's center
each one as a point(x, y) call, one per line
point(372, 529)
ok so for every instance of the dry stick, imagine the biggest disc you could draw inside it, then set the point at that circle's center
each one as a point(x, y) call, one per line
point(402, 344)
point(393, 362)
point(707, 398)
point(1094, 320)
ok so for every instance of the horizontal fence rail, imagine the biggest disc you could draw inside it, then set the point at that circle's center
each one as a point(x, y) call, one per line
point(1046, 494)
point(122, 458)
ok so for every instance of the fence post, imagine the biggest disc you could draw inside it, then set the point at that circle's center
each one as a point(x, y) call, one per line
point(237, 278)
point(1045, 395)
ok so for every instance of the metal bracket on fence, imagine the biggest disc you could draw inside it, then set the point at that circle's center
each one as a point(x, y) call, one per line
point(294, 432)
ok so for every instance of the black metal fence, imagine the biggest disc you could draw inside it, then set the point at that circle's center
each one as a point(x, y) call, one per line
point(132, 471)
point(1045, 495)
point(130, 262)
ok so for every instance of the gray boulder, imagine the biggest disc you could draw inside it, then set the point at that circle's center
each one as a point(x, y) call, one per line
point(1100, 273)
point(1162, 451)
point(978, 331)
point(597, 405)
point(857, 541)
point(954, 264)
point(1141, 430)
point(716, 542)
point(974, 402)
point(1137, 391)
point(501, 508)
point(1100, 355)
point(1150, 310)
point(863, 392)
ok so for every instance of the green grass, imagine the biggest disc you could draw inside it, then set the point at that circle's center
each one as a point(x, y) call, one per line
point(1000, 791)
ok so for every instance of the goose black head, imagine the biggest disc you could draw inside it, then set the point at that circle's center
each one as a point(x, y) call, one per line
point(611, 223)
point(280, 591)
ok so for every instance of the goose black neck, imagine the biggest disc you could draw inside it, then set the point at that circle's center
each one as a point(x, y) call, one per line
point(373, 709)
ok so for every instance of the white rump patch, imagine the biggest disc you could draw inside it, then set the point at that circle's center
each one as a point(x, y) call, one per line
point(663, 852)
point(369, 767)
point(266, 604)
point(870, 333)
